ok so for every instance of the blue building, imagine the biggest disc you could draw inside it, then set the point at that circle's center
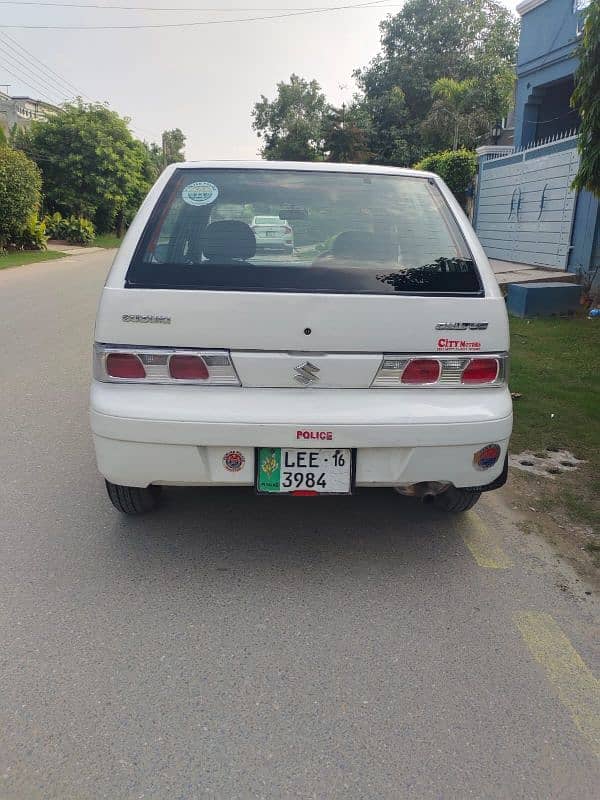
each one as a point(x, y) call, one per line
point(525, 209)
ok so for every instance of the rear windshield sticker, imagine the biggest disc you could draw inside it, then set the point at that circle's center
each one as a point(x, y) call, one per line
point(200, 193)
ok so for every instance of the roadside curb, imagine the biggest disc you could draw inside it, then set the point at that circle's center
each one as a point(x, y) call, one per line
point(73, 250)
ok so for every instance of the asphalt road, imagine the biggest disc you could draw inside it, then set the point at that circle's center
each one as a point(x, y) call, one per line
point(238, 647)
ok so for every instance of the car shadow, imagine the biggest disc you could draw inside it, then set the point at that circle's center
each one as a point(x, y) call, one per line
point(227, 529)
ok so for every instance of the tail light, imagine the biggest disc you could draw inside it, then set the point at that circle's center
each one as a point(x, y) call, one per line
point(126, 364)
point(421, 370)
point(287, 229)
point(441, 372)
point(480, 370)
point(188, 368)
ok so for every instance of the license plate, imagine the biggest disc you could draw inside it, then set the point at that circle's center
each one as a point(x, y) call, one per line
point(272, 233)
point(283, 470)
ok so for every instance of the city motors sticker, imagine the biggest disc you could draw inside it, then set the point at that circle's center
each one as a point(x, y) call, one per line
point(458, 344)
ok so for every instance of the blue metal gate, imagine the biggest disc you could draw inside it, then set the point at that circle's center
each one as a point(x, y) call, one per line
point(525, 204)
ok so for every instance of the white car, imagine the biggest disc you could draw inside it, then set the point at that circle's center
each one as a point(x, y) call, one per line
point(377, 356)
point(273, 233)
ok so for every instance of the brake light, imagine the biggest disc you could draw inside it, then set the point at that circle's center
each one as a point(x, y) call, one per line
point(480, 370)
point(125, 365)
point(441, 371)
point(188, 368)
point(114, 363)
point(287, 229)
point(421, 370)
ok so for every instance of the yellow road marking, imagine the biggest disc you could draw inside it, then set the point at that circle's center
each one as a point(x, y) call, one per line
point(483, 548)
point(570, 676)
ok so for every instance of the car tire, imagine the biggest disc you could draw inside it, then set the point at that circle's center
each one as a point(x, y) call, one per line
point(455, 500)
point(133, 499)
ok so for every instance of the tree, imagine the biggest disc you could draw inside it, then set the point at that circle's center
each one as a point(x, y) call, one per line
point(461, 40)
point(452, 103)
point(292, 125)
point(20, 191)
point(586, 98)
point(461, 112)
point(346, 135)
point(391, 131)
point(172, 146)
point(91, 165)
point(154, 159)
point(158, 157)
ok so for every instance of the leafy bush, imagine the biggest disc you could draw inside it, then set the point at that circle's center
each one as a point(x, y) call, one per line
point(456, 167)
point(92, 165)
point(33, 236)
point(78, 230)
point(55, 225)
point(75, 230)
point(20, 187)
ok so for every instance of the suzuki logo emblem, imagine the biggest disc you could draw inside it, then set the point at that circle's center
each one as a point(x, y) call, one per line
point(307, 373)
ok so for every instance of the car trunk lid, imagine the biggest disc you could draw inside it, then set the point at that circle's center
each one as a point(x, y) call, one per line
point(276, 340)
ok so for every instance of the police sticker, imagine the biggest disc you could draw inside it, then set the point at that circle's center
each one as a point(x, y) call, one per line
point(200, 193)
point(486, 457)
point(233, 461)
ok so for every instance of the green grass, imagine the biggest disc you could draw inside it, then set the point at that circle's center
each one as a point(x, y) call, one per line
point(22, 257)
point(593, 549)
point(107, 240)
point(555, 364)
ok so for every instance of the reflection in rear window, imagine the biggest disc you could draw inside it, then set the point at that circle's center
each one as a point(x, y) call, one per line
point(338, 232)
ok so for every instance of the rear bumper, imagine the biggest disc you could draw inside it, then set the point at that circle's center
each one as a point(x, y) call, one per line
point(179, 435)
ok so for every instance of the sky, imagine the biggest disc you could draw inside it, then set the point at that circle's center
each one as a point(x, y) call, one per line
point(203, 79)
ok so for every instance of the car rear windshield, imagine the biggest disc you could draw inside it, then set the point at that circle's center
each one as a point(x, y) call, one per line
point(343, 232)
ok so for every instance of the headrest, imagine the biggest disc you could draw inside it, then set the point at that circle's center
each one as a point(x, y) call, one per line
point(357, 244)
point(229, 239)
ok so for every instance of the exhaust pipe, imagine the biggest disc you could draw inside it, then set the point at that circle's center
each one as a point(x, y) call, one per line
point(426, 490)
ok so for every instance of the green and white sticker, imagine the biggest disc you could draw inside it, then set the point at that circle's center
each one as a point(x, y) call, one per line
point(200, 193)
point(269, 469)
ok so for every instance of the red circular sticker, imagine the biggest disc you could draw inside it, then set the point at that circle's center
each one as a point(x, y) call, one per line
point(487, 456)
point(233, 461)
